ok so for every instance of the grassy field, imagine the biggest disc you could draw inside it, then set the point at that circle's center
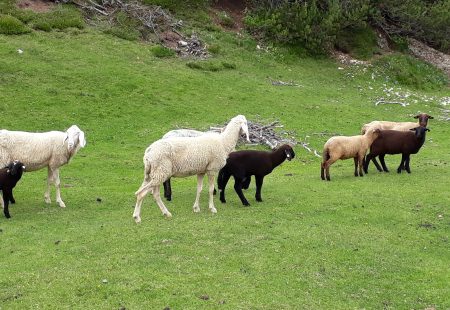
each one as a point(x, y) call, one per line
point(377, 242)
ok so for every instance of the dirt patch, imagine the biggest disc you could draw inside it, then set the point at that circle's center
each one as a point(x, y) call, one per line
point(38, 6)
point(430, 55)
point(234, 8)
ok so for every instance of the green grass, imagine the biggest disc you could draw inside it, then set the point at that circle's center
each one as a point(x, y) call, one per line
point(409, 71)
point(11, 25)
point(381, 241)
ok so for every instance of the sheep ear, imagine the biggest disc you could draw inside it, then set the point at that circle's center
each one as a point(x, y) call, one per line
point(426, 129)
point(430, 117)
point(82, 139)
point(412, 129)
point(65, 138)
point(417, 116)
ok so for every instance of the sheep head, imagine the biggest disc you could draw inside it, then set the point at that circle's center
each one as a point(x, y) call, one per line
point(75, 138)
point(423, 119)
point(244, 126)
point(15, 168)
point(420, 131)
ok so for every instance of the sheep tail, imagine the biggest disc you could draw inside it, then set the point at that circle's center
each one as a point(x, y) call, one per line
point(325, 155)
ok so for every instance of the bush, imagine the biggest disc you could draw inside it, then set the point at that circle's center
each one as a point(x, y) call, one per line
point(162, 52)
point(409, 71)
point(61, 18)
point(360, 42)
point(210, 65)
point(225, 19)
point(11, 25)
point(214, 49)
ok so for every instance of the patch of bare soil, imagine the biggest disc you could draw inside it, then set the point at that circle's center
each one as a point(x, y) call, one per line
point(430, 55)
point(234, 8)
point(39, 6)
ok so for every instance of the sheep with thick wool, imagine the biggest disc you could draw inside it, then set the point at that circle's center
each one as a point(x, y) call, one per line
point(51, 149)
point(182, 157)
point(401, 126)
point(178, 133)
point(342, 147)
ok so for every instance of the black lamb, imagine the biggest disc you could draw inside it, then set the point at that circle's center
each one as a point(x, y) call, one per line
point(9, 176)
point(243, 164)
point(396, 142)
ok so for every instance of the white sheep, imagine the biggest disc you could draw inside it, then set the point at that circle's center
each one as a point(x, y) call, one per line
point(342, 147)
point(177, 133)
point(38, 150)
point(182, 157)
point(401, 126)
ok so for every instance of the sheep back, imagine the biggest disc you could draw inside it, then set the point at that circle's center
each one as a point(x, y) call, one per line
point(343, 147)
point(395, 142)
point(183, 156)
point(34, 150)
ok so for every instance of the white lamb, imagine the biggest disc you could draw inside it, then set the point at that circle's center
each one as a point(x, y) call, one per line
point(401, 126)
point(182, 157)
point(38, 150)
point(342, 147)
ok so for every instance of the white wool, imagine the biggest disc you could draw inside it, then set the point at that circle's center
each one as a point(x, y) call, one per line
point(185, 156)
point(384, 125)
point(38, 150)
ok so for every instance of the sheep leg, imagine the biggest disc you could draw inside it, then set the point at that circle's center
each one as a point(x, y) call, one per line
point(167, 190)
point(326, 166)
point(360, 164)
point(377, 165)
point(139, 199)
point(259, 182)
point(383, 163)
point(5, 202)
point(58, 188)
point(238, 189)
point(159, 202)
point(246, 183)
point(322, 171)
point(225, 177)
point(355, 160)
point(11, 198)
point(50, 181)
point(211, 179)
point(407, 164)
point(402, 164)
point(196, 206)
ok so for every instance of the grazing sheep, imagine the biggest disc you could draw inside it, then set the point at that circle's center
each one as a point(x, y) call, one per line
point(38, 150)
point(243, 164)
point(402, 126)
point(9, 176)
point(396, 142)
point(177, 133)
point(182, 157)
point(341, 147)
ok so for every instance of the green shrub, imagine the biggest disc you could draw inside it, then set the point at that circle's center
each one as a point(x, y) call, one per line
point(210, 65)
point(399, 43)
point(225, 19)
point(162, 52)
point(409, 71)
point(63, 17)
point(126, 33)
point(359, 42)
point(11, 25)
point(214, 49)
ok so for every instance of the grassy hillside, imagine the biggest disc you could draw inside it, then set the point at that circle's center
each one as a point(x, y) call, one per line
point(381, 241)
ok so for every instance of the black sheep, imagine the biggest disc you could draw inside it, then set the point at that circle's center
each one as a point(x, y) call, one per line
point(9, 176)
point(243, 164)
point(396, 142)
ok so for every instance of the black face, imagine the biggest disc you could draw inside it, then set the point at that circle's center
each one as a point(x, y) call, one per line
point(420, 131)
point(16, 168)
point(289, 153)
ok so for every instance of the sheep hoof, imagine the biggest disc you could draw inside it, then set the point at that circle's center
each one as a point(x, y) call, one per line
point(213, 210)
point(196, 209)
point(168, 214)
point(47, 200)
point(259, 199)
point(61, 204)
point(137, 219)
point(246, 204)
